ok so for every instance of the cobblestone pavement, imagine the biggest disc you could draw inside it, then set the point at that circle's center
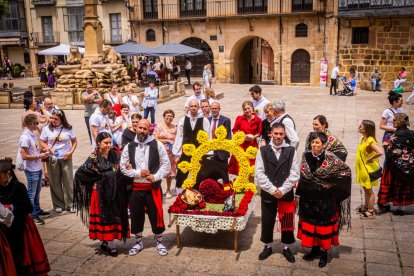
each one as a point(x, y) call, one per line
point(381, 246)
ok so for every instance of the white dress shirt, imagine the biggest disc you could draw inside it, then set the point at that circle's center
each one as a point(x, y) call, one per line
point(178, 143)
point(141, 161)
point(263, 181)
point(290, 130)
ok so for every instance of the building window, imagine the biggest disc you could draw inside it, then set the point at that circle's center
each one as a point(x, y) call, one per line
point(75, 25)
point(116, 28)
point(150, 9)
point(11, 21)
point(47, 28)
point(252, 6)
point(360, 35)
point(302, 5)
point(150, 35)
point(192, 8)
point(301, 30)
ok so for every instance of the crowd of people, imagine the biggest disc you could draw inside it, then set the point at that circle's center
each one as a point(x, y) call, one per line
point(130, 155)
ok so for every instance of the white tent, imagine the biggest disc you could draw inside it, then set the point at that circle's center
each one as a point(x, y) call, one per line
point(61, 50)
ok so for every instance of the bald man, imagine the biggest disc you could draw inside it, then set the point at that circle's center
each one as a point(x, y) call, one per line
point(49, 107)
point(187, 130)
point(146, 161)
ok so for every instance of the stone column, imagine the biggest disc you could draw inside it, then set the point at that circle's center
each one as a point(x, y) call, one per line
point(92, 29)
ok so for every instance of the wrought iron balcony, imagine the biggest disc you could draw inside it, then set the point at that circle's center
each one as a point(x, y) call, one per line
point(43, 2)
point(46, 39)
point(225, 9)
point(363, 8)
point(12, 27)
point(116, 36)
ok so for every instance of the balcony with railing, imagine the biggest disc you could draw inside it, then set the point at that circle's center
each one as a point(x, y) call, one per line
point(225, 9)
point(115, 36)
point(12, 27)
point(371, 8)
point(46, 39)
point(43, 2)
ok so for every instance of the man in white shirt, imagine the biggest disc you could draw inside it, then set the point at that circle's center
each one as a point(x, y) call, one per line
point(187, 130)
point(334, 79)
point(258, 101)
point(49, 107)
point(291, 137)
point(187, 68)
point(99, 121)
point(198, 95)
point(146, 161)
point(276, 172)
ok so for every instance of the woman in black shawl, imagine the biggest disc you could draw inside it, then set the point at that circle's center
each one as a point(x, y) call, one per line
point(99, 195)
point(323, 195)
point(23, 237)
point(397, 182)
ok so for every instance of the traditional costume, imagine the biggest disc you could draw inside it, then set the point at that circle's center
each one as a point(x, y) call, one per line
point(398, 175)
point(187, 130)
point(277, 168)
point(25, 243)
point(7, 266)
point(146, 196)
point(333, 145)
point(101, 197)
point(324, 207)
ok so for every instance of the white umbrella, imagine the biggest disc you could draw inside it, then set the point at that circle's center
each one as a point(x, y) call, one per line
point(61, 50)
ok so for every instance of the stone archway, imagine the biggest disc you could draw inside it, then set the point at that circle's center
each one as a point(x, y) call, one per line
point(253, 61)
point(198, 62)
point(300, 67)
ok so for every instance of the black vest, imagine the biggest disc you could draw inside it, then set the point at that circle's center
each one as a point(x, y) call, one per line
point(277, 170)
point(153, 160)
point(189, 134)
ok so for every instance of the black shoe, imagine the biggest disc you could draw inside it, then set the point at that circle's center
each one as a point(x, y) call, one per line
point(267, 251)
point(399, 213)
point(315, 253)
point(288, 255)
point(113, 252)
point(384, 208)
point(104, 247)
point(44, 214)
point(38, 220)
point(323, 261)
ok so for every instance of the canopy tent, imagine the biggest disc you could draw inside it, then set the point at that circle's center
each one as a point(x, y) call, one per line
point(174, 49)
point(131, 49)
point(61, 50)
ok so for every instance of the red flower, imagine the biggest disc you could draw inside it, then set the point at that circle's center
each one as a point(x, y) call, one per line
point(330, 139)
point(212, 192)
point(324, 164)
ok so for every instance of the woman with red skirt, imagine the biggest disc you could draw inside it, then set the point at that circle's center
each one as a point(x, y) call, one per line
point(6, 258)
point(251, 125)
point(26, 246)
point(322, 194)
point(101, 197)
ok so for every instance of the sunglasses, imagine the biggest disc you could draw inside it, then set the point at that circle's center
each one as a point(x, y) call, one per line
point(56, 112)
point(36, 123)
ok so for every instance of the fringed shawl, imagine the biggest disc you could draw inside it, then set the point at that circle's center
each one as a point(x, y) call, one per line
point(333, 145)
point(401, 152)
point(112, 194)
point(331, 174)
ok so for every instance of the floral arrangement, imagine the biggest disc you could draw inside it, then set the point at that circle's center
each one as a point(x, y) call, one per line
point(180, 207)
point(213, 193)
point(241, 184)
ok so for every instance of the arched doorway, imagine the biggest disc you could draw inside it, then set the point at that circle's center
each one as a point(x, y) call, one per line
point(253, 61)
point(197, 62)
point(300, 67)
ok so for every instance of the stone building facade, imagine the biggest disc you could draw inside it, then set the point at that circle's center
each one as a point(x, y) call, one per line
point(373, 36)
point(282, 41)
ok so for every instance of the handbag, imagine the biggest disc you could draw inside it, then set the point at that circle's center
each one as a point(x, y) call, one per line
point(115, 107)
point(372, 175)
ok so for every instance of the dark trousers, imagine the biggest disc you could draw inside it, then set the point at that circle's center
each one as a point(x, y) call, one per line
point(269, 211)
point(333, 85)
point(150, 110)
point(180, 177)
point(187, 74)
point(89, 130)
point(141, 202)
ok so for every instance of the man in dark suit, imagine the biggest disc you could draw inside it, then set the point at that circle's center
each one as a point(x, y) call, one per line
point(217, 165)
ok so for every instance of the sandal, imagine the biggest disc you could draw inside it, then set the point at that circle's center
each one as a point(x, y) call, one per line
point(137, 247)
point(367, 215)
point(162, 250)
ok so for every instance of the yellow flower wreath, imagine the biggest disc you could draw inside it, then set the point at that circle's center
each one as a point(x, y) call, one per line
point(241, 184)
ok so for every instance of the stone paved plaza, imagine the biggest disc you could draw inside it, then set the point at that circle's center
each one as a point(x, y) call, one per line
point(381, 246)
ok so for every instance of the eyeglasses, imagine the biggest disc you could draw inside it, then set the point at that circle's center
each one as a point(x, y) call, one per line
point(35, 123)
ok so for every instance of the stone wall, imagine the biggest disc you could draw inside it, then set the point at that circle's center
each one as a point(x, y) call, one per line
point(390, 47)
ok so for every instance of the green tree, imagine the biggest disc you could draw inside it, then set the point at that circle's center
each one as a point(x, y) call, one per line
point(4, 8)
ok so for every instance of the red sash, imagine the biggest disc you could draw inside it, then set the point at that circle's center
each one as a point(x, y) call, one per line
point(156, 195)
